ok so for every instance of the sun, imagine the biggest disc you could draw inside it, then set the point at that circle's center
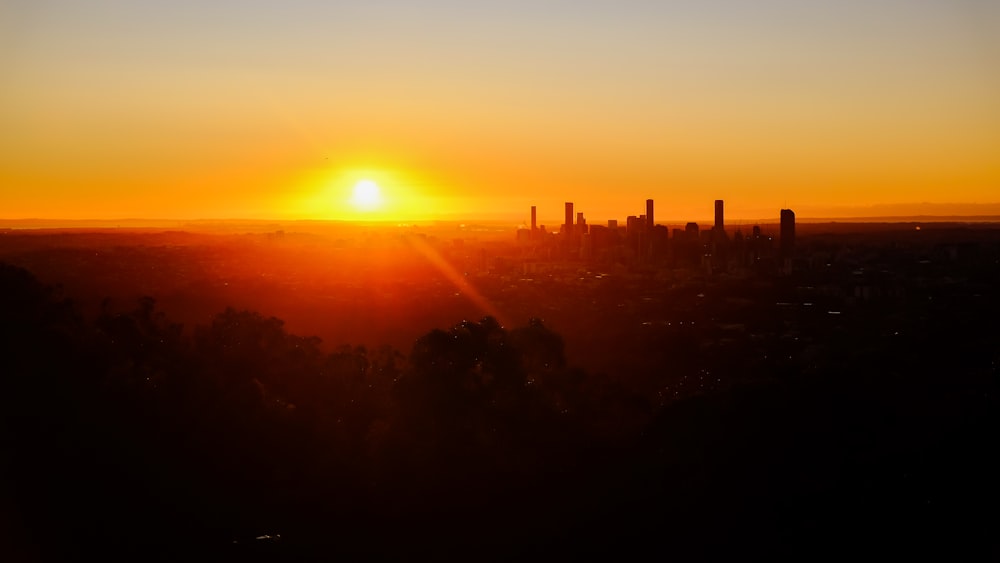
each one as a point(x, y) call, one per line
point(367, 196)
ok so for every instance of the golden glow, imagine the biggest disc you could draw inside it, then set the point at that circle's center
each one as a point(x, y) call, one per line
point(761, 111)
point(460, 282)
point(367, 196)
point(351, 191)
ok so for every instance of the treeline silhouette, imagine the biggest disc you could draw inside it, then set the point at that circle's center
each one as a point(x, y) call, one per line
point(129, 437)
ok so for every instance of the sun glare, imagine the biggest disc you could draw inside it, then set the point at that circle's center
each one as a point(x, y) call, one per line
point(367, 196)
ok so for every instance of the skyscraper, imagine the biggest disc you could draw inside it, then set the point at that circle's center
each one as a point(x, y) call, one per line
point(568, 225)
point(719, 223)
point(787, 243)
point(692, 230)
point(632, 225)
point(534, 222)
point(649, 214)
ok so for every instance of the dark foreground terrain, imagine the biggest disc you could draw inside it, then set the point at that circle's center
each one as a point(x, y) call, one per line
point(845, 409)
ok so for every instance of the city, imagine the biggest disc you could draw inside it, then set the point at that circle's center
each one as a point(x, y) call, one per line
point(613, 391)
point(643, 241)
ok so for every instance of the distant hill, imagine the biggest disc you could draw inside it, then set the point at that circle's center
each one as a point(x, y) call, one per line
point(472, 225)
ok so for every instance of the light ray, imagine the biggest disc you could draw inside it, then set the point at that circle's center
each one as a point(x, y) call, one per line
point(457, 279)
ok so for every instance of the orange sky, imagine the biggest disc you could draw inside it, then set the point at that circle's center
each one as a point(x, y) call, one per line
point(176, 110)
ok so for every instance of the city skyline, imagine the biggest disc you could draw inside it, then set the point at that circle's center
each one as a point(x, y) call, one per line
point(185, 111)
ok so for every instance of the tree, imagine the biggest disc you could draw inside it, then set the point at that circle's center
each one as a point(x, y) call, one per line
point(541, 350)
point(144, 348)
point(253, 356)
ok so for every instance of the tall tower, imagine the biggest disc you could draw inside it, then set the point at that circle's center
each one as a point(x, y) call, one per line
point(649, 214)
point(568, 225)
point(787, 243)
point(719, 223)
point(534, 219)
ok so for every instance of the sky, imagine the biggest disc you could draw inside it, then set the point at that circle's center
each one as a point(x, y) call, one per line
point(478, 110)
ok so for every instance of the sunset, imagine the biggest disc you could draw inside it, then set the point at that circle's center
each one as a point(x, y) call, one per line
point(471, 281)
point(187, 110)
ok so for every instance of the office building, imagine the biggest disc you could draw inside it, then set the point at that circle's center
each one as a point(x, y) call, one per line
point(787, 243)
point(632, 225)
point(692, 230)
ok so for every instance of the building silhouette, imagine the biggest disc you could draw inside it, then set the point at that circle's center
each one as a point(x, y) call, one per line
point(640, 241)
point(717, 240)
point(631, 225)
point(786, 245)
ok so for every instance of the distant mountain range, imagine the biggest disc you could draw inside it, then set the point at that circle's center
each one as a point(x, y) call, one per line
point(923, 211)
point(885, 213)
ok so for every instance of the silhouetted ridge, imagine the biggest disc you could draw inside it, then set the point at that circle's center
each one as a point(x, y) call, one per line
point(129, 437)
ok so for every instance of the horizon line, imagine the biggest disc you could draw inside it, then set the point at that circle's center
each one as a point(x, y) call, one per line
point(30, 222)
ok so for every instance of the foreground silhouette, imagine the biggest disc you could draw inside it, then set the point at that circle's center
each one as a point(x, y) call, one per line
point(131, 438)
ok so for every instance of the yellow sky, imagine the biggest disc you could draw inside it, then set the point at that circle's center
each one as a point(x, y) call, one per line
point(248, 110)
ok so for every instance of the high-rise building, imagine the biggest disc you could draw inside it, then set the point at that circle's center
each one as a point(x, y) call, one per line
point(534, 217)
point(787, 243)
point(649, 214)
point(719, 223)
point(568, 225)
point(632, 225)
